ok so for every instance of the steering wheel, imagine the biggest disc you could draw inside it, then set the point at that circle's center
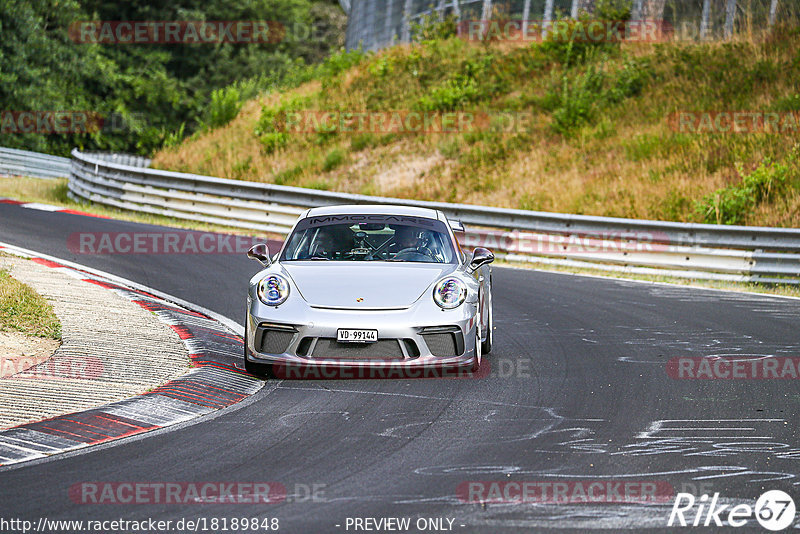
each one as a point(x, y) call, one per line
point(422, 251)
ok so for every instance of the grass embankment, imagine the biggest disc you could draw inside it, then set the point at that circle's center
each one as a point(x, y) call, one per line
point(599, 140)
point(23, 310)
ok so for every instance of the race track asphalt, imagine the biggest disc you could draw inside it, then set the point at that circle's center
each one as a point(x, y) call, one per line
point(578, 392)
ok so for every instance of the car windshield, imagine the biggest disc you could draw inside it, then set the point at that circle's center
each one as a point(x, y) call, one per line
point(370, 238)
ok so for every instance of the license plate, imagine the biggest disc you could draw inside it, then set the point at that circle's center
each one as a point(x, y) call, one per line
point(356, 335)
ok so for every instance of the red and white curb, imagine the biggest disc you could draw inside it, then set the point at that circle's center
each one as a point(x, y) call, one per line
point(48, 207)
point(216, 382)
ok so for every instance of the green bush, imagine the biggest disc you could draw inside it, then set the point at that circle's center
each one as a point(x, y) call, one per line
point(241, 168)
point(613, 10)
point(432, 27)
point(381, 67)
point(334, 158)
point(287, 176)
point(630, 81)
point(451, 95)
point(731, 205)
point(642, 147)
point(562, 46)
point(361, 141)
point(577, 100)
point(341, 61)
point(320, 184)
point(223, 108)
point(271, 128)
point(788, 103)
point(172, 139)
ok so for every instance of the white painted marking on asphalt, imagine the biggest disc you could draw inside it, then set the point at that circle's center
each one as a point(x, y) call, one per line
point(41, 207)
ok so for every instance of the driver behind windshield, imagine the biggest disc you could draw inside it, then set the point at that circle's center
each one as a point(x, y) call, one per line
point(406, 238)
point(329, 242)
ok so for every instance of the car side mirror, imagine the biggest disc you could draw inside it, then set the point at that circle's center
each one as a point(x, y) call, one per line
point(260, 253)
point(480, 257)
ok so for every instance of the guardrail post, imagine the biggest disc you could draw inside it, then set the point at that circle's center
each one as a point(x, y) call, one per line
point(637, 10)
point(773, 12)
point(548, 18)
point(406, 37)
point(487, 10)
point(526, 13)
point(705, 20)
point(387, 22)
point(730, 18)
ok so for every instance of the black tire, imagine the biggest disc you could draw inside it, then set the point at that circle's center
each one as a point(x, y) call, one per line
point(486, 345)
point(477, 361)
point(264, 370)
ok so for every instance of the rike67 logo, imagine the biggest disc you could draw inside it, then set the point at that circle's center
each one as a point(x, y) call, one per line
point(774, 510)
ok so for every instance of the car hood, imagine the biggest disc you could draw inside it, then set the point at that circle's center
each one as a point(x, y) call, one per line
point(364, 285)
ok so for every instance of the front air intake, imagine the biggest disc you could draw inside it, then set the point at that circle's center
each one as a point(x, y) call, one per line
point(444, 340)
point(274, 339)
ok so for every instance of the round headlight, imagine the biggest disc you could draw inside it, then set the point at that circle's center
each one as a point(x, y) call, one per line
point(273, 290)
point(449, 293)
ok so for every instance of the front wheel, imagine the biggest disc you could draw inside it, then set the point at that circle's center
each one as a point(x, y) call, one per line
point(476, 361)
point(486, 346)
point(263, 370)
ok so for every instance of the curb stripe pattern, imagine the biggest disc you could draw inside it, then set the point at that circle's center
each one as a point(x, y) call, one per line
point(49, 207)
point(214, 383)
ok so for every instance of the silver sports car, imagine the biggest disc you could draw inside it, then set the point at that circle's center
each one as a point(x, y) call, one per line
point(369, 287)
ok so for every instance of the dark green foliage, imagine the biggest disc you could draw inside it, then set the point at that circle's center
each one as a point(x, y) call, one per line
point(432, 27)
point(732, 204)
point(149, 95)
point(334, 158)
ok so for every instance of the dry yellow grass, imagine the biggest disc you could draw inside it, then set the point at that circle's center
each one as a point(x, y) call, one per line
point(626, 162)
point(218, 152)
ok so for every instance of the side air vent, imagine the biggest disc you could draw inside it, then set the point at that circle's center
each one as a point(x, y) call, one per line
point(274, 339)
point(444, 340)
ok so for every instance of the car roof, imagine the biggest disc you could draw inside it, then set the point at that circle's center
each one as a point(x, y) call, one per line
point(374, 209)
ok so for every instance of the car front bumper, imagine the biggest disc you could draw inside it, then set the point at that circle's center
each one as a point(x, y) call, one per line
point(422, 336)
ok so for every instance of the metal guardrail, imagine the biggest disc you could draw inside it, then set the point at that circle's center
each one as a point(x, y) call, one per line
point(121, 159)
point(739, 253)
point(15, 162)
